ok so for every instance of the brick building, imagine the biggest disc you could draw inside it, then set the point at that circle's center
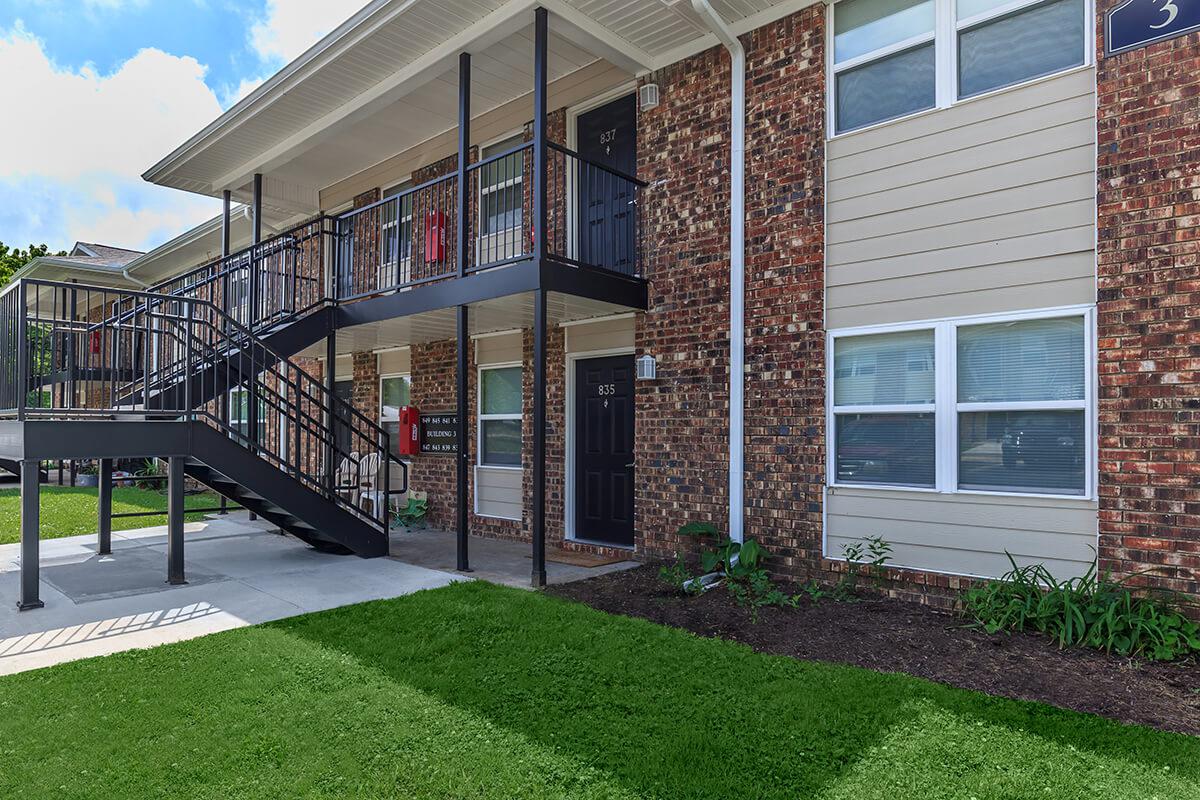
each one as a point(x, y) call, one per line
point(968, 277)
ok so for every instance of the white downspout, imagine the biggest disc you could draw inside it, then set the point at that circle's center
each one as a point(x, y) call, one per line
point(737, 264)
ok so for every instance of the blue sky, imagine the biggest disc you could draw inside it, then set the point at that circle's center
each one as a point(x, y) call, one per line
point(107, 87)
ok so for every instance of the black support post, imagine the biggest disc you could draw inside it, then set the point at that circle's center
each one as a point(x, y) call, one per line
point(330, 419)
point(464, 451)
point(254, 313)
point(464, 153)
point(226, 201)
point(106, 491)
point(540, 34)
point(462, 465)
point(175, 520)
point(30, 524)
point(539, 438)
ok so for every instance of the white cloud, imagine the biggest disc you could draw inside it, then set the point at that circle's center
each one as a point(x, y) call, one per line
point(73, 171)
point(292, 26)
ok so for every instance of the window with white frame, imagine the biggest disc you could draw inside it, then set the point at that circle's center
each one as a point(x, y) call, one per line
point(501, 201)
point(991, 405)
point(500, 416)
point(395, 392)
point(892, 58)
point(239, 414)
point(397, 235)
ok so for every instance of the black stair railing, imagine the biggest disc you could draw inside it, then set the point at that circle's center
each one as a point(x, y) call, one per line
point(74, 351)
point(265, 284)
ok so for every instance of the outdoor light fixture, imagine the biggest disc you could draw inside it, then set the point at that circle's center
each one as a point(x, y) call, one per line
point(645, 368)
point(648, 96)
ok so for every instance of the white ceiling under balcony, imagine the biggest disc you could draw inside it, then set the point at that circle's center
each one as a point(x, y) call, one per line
point(386, 81)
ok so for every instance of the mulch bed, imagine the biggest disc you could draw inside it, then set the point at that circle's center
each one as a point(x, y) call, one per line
point(895, 636)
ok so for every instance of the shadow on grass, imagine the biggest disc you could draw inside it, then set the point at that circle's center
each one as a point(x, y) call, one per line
point(672, 715)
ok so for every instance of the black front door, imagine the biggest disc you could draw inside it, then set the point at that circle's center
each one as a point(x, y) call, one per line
point(604, 450)
point(606, 235)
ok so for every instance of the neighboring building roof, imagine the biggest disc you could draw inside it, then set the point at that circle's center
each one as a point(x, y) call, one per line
point(85, 257)
point(104, 252)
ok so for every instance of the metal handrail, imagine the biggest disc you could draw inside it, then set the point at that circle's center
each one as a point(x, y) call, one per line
point(182, 353)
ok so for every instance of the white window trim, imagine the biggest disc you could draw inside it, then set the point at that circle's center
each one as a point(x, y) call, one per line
point(506, 240)
point(240, 420)
point(944, 36)
point(391, 376)
point(401, 264)
point(480, 417)
point(946, 422)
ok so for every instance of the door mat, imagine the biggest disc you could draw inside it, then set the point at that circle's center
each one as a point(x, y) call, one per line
point(578, 559)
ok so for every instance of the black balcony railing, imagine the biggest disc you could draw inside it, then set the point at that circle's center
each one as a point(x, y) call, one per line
point(594, 220)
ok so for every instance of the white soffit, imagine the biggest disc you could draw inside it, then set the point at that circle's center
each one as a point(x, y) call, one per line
point(386, 80)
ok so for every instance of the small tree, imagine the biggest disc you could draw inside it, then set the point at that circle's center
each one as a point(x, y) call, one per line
point(13, 258)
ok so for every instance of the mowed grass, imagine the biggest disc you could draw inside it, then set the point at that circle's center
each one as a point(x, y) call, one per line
point(478, 691)
point(74, 510)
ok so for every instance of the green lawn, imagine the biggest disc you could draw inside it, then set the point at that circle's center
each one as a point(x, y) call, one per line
point(486, 692)
point(73, 510)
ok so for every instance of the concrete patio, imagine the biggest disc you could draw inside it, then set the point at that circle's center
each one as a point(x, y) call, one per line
point(239, 573)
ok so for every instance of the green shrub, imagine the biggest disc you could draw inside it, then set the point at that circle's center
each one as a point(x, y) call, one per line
point(739, 563)
point(1091, 610)
point(870, 555)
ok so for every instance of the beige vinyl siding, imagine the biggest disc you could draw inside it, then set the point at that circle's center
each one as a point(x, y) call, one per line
point(986, 206)
point(395, 362)
point(965, 534)
point(343, 367)
point(608, 334)
point(498, 492)
point(507, 348)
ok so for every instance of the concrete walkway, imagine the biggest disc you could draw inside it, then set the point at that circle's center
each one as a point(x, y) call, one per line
point(492, 560)
point(239, 573)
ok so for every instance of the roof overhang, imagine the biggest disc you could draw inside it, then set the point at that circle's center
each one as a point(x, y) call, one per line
point(386, 80)
point(54, 268)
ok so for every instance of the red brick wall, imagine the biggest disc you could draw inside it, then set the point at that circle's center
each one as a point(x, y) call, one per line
point(681, 427)
point(785, 277)
point(682, 422)
point(1148, 205)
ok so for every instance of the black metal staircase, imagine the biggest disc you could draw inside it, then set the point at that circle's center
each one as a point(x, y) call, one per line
point(261, 430)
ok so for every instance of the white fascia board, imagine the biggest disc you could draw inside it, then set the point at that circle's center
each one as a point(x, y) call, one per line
point(336, 42)
point(202, 230)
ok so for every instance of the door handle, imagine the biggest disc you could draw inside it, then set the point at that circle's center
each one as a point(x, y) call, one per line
point(627, 466)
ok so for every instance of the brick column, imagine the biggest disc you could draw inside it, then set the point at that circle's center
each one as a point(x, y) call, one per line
point(1148, 208)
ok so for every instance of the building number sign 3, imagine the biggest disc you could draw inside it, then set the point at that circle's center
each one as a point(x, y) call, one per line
point(1137, 23)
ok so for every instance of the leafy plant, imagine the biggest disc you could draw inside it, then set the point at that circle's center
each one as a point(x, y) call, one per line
point(88, 468)
point(869, 555)
point(151, 468)
point(413, 513)
point(1092, 611)
point(679, 576)
point(740, 564)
